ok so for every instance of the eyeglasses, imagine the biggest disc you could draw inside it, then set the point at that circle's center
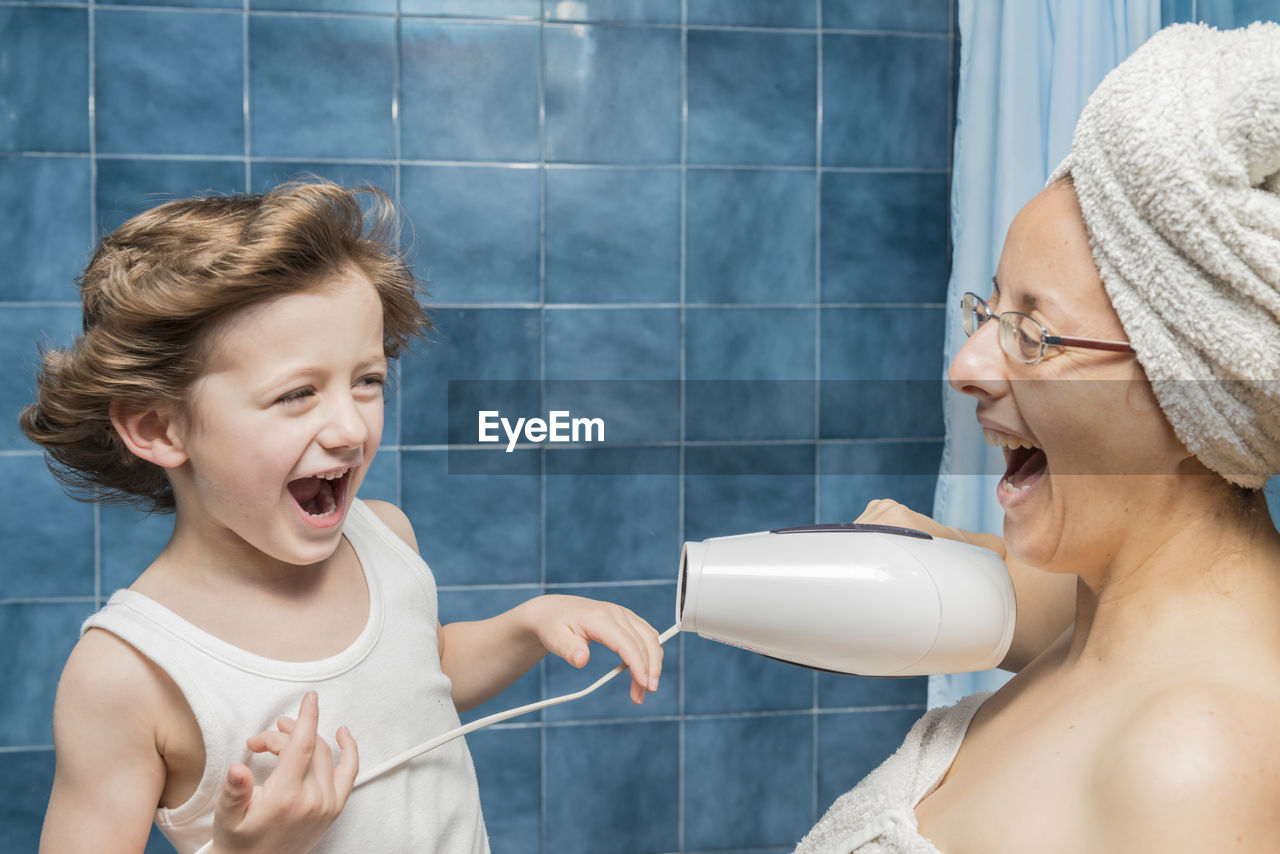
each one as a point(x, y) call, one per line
point(1023, 337)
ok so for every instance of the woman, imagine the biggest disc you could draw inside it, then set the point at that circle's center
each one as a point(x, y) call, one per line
point(1137, 445)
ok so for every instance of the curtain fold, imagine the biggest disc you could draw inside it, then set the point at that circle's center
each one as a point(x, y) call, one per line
point(1027, 68)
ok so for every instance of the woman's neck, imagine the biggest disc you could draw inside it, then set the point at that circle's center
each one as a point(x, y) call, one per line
point(1215, 566)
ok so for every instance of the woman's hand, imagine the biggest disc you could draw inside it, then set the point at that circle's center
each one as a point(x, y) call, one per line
point(298, 802)
point(566, 624)
point(886, 511)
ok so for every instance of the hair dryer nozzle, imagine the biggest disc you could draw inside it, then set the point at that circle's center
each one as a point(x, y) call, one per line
point(849, 598)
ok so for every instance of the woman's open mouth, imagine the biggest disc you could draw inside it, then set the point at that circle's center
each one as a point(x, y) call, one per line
point(321, 496)
point(1025, 465)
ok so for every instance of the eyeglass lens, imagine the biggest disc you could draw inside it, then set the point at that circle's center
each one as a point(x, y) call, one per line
point(1019, 335)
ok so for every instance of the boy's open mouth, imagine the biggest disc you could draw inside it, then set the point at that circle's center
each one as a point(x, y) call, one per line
point(319, 496)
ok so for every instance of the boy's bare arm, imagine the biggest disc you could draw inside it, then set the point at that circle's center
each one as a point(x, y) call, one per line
point(483, 658)
point(109, 775)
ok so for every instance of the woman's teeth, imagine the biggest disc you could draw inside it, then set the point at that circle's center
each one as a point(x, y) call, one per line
point(997, 439)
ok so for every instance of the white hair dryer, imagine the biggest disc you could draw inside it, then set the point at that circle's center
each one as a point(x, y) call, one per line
point(871, 600)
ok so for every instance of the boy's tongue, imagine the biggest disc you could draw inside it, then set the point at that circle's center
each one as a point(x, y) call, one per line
point(307, 492)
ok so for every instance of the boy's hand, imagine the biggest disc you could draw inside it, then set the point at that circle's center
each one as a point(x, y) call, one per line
point(566, 624)
point(294, 807)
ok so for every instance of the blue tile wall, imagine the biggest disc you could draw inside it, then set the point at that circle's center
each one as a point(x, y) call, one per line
point(616, 11)
point(468, 91)
point(509, 769)
point(606, 198)
point(612, 787)
point(475, 231)
point(26, 776)
point(902, 82)
point(1225, 14)
point(48, 45)
point(884, 237)
point(754, 13)
point(739, 799)
point(923, 16)
point(752, 97)
point(747, 240)
point(322, 87)
point(168, 82)
point(494, 9)
point(129, 185)
point(612, 94)
point(50, 241)
point(613, 235)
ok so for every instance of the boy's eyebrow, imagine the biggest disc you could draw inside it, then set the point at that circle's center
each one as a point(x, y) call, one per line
point(284, 378)
point(290, 376)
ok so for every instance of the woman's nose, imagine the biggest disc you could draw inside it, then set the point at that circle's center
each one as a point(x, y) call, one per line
point(979, 369)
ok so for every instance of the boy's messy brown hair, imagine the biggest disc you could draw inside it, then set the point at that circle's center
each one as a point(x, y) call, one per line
point(170, 274)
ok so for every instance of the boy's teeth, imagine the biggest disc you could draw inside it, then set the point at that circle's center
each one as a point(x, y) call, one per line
point(334, 475)
point(1004, 440)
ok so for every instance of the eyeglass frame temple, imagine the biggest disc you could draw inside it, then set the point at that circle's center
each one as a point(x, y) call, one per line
point(1087, 343)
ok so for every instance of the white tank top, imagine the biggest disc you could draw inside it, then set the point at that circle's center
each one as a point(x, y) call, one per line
point(387, 688)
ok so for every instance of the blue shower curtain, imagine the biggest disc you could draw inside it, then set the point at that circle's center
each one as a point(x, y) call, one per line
point(1026, 69)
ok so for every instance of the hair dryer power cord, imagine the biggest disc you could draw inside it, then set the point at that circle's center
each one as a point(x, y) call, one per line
point(445, 738)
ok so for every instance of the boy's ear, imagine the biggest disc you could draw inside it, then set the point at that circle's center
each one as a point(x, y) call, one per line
point(150, 433)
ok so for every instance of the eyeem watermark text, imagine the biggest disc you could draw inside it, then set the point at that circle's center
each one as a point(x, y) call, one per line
point(559, 426)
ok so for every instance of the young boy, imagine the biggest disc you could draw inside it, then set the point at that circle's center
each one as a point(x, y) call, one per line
point(232, 369)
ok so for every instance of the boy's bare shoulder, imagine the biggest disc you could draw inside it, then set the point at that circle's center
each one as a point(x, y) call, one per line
point(109, 736)
point(104, 675)
point(395, 519)
point(1193, 767)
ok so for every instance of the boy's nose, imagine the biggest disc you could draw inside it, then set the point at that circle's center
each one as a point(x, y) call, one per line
point(979, 368)
point(345, 426)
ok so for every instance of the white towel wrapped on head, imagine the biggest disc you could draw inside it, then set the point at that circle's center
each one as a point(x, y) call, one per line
point(1176, 162)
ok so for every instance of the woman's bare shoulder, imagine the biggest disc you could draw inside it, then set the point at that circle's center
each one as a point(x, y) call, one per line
point(1191, 767)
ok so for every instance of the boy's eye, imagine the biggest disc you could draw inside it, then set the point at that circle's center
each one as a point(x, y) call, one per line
point(295, 396)
point(372, 380)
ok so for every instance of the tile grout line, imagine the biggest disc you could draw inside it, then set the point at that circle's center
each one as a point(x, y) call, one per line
point(93, 123)
point(479, 164)
point(543, 747)
point(495, 21)
point(244, 101)
point(681, 783)
point(401, 221)
point(817, 369)
point(817, 265)
point(91, 12)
